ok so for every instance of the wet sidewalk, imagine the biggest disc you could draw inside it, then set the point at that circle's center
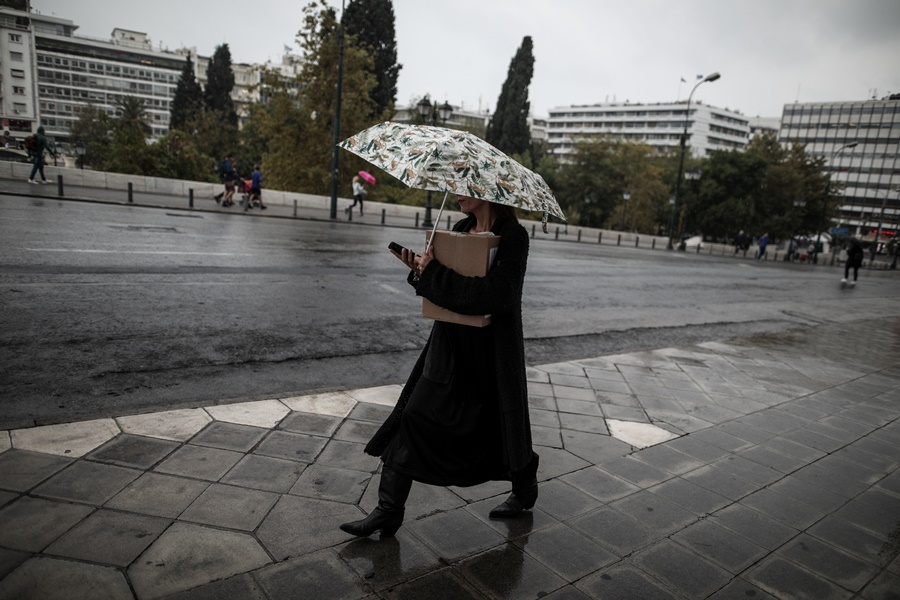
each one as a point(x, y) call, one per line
point(764, 467)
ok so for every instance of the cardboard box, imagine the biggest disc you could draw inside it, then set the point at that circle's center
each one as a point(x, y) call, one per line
point(467, 254)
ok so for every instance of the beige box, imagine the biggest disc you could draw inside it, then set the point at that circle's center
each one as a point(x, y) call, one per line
point(467, 254)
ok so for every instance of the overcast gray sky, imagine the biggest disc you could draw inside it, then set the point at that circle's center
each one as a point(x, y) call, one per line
point(769, 52)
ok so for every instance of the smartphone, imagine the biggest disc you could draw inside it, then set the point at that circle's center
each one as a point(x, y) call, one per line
point(397, 248)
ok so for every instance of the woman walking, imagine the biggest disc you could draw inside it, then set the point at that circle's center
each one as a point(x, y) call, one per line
point(462, 417)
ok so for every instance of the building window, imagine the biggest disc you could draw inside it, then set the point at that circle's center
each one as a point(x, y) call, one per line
point(16, 56)
point(15, 38)
point(19, 108)
point(17, 73)
point(18, 90)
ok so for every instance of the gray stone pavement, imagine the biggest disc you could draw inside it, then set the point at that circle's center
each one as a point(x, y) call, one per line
point(763, 467)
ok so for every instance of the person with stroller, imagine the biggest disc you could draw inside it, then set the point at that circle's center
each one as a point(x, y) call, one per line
point(255, 190)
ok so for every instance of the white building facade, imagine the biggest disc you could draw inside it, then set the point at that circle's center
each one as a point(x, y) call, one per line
point(657, 125)
point(869, 172)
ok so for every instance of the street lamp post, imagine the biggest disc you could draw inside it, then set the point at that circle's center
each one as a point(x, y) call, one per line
point(692, 175)
point(825, 202)
point(80, 149)
point(337, 118)
point(626, 196)
point(684, 135)
point(430, 110)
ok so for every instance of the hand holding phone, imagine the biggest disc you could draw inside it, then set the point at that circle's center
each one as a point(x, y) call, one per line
point(397, 248)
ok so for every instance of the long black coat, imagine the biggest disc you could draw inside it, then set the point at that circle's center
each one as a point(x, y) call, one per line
point(498, 294)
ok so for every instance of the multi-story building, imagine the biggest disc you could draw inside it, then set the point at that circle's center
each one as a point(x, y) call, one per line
point(657, 125)
point(18, 91)
point(764, 125)
point(868, 172)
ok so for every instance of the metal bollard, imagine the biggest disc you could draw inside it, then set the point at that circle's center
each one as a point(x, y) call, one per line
point(191, 198)
point(350, 215)
point(637, 240)
point(579, 235)
point(130, 193)
point(599, 237)
point(532, 231)
point(417, 220)
point(383, 212)
point(557, 233)
point(653, 244)
point(619, 240)
point(448, 222)
point(295, 208)
point(59, 186)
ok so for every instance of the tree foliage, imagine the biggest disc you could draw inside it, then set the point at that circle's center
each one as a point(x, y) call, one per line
point(220, 83)
point(508, 129)
point(370, 25)
point(188, 98)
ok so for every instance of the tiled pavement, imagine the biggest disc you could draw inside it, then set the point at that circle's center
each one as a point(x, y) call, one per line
point(755, 468)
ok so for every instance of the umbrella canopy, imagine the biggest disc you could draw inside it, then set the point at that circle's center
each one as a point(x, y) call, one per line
point(368, 177)
point(446, 160)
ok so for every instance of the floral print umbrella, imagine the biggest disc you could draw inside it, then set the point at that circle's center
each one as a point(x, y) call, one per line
point(447, 160)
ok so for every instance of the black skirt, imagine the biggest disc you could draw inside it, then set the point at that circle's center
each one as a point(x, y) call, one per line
point(450, 430)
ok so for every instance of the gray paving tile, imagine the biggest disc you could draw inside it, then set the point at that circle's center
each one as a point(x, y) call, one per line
point(300, 422)
point(317, 575)
point(884, 463)
point(791, 512)
point(739, 589)
point(385, 563)
point(869, 546)
point(355, 431)
point(867, 516)
point(10, 559)
point(721, 482)
point(637, 472)
point(715, 436)
point(229, 436)
point(666, 458)
point(186, 556)
point(625, 400)
point(808, 493)
point(585, 423)
point(880, 500)
point(7, 497)
point(655, 512)
point(831, 480)
point(579, 407)
point(158, 495)
point(828, 562)
point(721, 546)
point(563, 501)
point(690, 496)
point(21, 470)
point(774, 421)
point(793, 449)
point(692, 446)
point(557, 379)
point(91, 483)
point(813, 439)
point(772, 459)
point(683, 571)
point(747, 432)
point(109, 537)
point(556, 462)
point(548, 437)
point(614, 529)
point(440, 585)
point(455, 534)
point(297, 526)
point(524, 525)
point(543, 418)
point(127, 450)
point(239, 587)
point(265, 473)
point(542, 402)
point(754, 526)
point(600, 484)
point(592, 447)
point(45, 578)
point(331, 483)
point(566, 552)
point(623, 581)
point(883, 587)
point(584, 394)
point(747, 469)
point(624, 413)
point(375, 413)
point(347, 455)
point(209, 464)
point(568, 592)
point(31, 524)
point(507, 572)
point(291, 446)
point(784, 579)
point(230, 507)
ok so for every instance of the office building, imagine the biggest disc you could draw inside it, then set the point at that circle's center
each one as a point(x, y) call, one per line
point(868, 173)
point(657, 125)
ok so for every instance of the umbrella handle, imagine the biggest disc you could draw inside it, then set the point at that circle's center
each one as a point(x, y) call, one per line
point(436, 221)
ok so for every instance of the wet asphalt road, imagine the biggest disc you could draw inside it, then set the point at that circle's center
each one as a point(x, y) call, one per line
point(111, 310)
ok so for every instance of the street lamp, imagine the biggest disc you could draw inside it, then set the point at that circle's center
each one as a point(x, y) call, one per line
point(626, 196)
point(337, 117)
point(692, 175)
point(684, 135)
point(430, 110)
point(80, 149)
point(825, 202)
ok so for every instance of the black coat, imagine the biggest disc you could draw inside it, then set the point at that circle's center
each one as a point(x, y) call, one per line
point(498, 294)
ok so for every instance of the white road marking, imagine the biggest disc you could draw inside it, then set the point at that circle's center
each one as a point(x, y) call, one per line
point(389, 288)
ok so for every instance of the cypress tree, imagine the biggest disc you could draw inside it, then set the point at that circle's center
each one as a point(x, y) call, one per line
point(188, 97)
point(219, 83)
point(371, 23)
point(508, 128)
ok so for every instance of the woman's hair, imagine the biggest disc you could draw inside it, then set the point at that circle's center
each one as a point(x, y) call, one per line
point(502, 210)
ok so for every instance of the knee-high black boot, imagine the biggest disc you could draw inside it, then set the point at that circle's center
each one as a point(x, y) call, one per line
point(524, 492)
point(388, 515)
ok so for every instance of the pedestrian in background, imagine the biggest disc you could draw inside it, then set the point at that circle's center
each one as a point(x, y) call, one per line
point(855, 255)
point(255, 190)
point(41, 146)
point(462, 418)
point(763, 243)
point(740, 241)
point(359, 192)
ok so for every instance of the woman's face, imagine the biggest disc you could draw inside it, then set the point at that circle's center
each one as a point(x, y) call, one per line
point(469, 205)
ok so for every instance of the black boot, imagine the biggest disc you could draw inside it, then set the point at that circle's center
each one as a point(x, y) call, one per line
point(388, 515)
point(524, 492)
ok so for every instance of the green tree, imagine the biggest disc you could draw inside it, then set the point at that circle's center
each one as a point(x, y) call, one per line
point(176, 156)
point(128, 146)
point(94, 129)
point(188, 98)
point(508, 128)
point(728, 196)
point(370, 25)
point(220, 83)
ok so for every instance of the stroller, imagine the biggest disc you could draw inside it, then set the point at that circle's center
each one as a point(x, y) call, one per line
point(244, 188)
